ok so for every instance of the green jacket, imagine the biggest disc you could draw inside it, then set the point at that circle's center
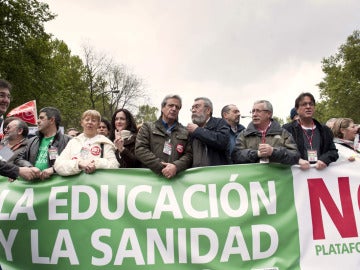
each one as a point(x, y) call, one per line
point(247, 143)
point(149, 146)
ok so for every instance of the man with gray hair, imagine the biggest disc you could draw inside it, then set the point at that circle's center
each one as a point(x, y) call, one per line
point(209, 135)
point(163, 146)
point(264, 140)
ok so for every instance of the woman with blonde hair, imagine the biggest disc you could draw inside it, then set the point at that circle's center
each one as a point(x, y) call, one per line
point(88, 151)
point(345, 131)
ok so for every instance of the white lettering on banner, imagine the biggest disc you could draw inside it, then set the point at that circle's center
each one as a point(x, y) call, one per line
point(7, 244)
point(102, 247)
point(166, 252)
point(104, 205)
point(63, 238)
point(75, 206)
point(54, 203)
point(164, 245)
point(129, 237)
point(167, 194)
point(25, 205)
point(131, 201)
point(166, 201)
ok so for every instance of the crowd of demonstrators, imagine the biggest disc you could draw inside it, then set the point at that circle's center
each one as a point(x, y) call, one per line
point(104, 127)
point(88, 151)
point(209, 135)
point(314, 140)
point(163, 146)
point(43, 149)
point(264, 140)
point(345, 131)
point(123, 135)
point(231, 114)
point(166, 146)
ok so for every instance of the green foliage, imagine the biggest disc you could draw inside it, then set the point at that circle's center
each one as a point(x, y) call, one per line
point(146, 114)
point(340, 89)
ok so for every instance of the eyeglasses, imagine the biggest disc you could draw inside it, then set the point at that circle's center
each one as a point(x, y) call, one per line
point(258, 111)
point(305, 104)
point(3, 95)
point(196, 107)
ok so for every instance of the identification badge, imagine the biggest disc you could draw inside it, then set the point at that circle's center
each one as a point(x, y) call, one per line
point(53, 153)
point(84, 152)
point(167, 148)
point(312, 156)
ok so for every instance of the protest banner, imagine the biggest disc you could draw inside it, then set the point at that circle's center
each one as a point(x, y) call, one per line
point(258, 216)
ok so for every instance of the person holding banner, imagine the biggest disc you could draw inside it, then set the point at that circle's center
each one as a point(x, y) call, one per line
point(13, 172)
point(43, 149)
point(15, 138)
point(314, 140)
point(345, 131)
point(88, 151)
point(264, 140)
point(163, 146)
point(209, 135)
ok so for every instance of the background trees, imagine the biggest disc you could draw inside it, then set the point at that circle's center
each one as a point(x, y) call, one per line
point(340, 89)
point(41, 67)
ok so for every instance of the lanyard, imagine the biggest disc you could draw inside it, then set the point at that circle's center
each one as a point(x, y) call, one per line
point(263, 133)
point(309, 138)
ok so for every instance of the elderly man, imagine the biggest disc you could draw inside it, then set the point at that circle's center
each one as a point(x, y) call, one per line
point(264, 140)
point(314, 140)
point(43, 149)
point(15, 137)
point(209, 135)
point(163, 146)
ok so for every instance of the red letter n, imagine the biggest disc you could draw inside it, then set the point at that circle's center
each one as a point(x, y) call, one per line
point(345, 223)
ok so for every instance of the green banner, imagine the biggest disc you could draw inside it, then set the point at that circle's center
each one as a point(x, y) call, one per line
point(225, 217)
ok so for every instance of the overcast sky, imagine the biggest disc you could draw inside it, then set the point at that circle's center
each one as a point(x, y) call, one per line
point(231, 51)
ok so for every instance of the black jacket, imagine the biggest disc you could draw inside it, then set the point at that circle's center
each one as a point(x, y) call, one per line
point(28, 157)
point(8, 170)
point(328, 152)
point(210, 143)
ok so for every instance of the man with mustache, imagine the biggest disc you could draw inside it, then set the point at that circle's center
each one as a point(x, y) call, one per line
point(209, 135)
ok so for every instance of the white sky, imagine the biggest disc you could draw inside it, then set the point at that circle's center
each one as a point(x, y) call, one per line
point(231, 51)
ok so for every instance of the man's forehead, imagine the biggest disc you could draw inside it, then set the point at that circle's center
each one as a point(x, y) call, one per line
point(4, 90)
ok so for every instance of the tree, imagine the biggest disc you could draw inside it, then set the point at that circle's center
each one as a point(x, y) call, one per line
point(146, 114)
point(340, 89)
point(110, 85)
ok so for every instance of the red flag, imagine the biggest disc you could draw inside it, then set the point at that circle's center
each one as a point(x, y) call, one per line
point(26, 112)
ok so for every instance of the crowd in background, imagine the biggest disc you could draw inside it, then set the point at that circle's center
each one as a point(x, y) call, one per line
point(166, 146)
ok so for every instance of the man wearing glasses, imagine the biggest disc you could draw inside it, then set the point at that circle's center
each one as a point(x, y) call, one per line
point(209, 135)
point(264, 140)
point(314, 140)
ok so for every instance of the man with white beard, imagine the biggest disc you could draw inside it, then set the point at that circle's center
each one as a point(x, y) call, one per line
point(209, 135)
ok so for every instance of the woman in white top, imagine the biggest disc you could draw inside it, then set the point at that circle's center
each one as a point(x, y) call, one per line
point(345, 131)
point(88, 151)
